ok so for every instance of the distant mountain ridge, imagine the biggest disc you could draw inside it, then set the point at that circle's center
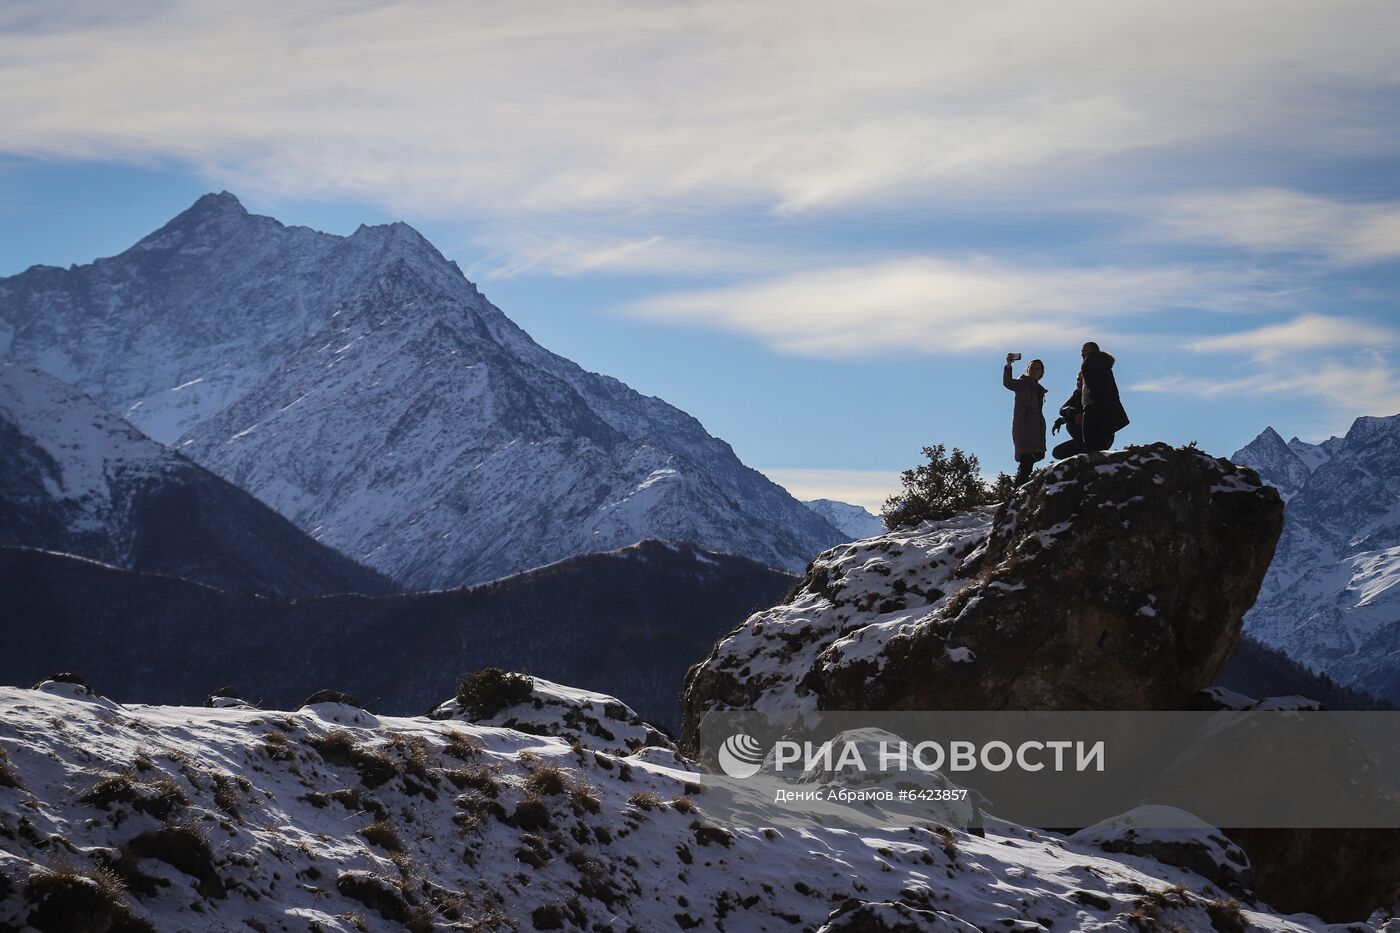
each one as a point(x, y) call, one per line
point(77, 479)
point(1330, 600)
point(362, 387)
point(627, 622)
point(853, 520)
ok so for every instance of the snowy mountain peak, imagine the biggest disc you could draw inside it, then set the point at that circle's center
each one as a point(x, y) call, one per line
point(221, 209)
point(362, 387)
point(1330, 598)
point(1275, 461)
point(1367, 427)
point(853, 520)
point(220, 202)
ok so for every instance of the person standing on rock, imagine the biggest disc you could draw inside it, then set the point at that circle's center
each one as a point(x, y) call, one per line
point(1028, 417)
point(1103, 411)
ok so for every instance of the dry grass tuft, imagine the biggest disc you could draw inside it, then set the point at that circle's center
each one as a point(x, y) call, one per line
point(383, 835)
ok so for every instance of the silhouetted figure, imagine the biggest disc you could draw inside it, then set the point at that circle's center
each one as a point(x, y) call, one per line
point(1028, 417)
point(1072, 420)
point(1095, 409)
point(1103, 411)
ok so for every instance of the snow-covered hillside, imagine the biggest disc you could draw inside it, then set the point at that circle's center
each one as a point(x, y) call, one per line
point(1330, 600)
point(331, 818)
point(853, 520)
point(77, 479)
point(366, 390)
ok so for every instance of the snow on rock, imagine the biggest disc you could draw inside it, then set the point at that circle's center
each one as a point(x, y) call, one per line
point(857, 595)
point(1172, 837)
point(171, 818)
point(1038, 606)
point(594, 719)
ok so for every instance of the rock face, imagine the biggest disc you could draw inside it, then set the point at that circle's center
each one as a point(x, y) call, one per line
point(363, 388)
point(1111, 581)
point(1330, 600)
point(77, 479)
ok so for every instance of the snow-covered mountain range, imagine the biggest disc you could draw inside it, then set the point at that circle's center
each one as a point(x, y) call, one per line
point(1330, 600)
point(362, 387)
point(853, 520)
point(78, 479)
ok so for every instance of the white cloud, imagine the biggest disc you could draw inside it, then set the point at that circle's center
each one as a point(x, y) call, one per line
point(868, 488)
point(511, 254)
point(1307, 332)
point(498, 108)
point(938, 305)
point(1273, 220)
point(1369, 385)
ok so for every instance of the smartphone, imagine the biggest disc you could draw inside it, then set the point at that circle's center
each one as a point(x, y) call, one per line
point(1015, 357)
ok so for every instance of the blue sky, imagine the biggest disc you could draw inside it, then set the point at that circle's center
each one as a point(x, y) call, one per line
point(818, 228)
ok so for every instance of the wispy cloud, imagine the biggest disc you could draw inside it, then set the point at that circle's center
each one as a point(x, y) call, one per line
point(501, 107)
point(940, 306)
point(1307, 332)
point(1366, 385)
point(513, 253)
point(1272, 220)
point(868, 488)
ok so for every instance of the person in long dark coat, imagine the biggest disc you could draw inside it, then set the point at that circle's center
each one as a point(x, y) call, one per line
point(1103, 410)
point(1028, 417)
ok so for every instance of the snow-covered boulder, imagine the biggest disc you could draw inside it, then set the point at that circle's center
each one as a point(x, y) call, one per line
point(1172, 837)
point(1111, 581)
point(594, 720)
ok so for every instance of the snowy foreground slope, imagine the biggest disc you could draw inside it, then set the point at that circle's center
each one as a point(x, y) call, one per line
point(77, 479)
point(362, 387)
point(1331, 600)
point(331, 818)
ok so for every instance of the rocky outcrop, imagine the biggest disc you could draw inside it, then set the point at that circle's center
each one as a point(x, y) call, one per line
point(593, 719)
point(1111, 581)
point(1172, 837)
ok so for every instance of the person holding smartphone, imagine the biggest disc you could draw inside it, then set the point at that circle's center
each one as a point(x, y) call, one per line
point(1028, 415)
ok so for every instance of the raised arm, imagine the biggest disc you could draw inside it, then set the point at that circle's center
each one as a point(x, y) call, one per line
point(1006, 379)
